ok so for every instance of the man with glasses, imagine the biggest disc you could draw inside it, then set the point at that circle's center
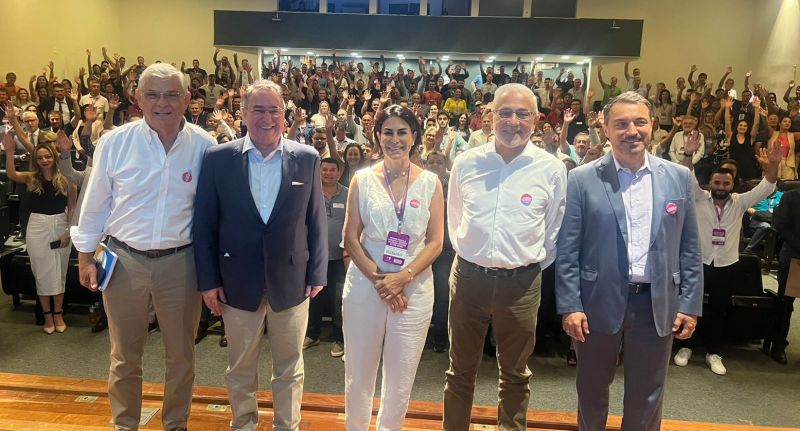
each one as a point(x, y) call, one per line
point(262, 250)
point(505, 205)
point(141, 195)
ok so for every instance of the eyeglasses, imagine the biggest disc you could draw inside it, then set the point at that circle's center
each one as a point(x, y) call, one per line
point(522, 114)
point(273, 112)
point(170, 96)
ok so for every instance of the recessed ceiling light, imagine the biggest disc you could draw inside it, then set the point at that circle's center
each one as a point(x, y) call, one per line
point(445, 57)
point(539, 58)
point(309, 52)
point(565, 57)
point(401, 56)
point(492, 57)
point(354, 54)
point(586, 60)
point(580, 62)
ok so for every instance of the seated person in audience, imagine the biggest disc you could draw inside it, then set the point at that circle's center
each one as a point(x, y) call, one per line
point(484, 134)
point(195, 113)
point(761, 220)
point(319, 140)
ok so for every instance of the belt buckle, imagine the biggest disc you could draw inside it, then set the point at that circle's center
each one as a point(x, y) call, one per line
point(635, 287)
point(153, 254)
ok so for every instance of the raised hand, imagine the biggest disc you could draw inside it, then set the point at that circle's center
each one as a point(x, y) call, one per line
point(749, 73)
point(90, 114)
point(88, 52)
point(704, 104)
point(591, 118)
point(367, 95)
point(64, 142)
point(220, 101)
point(385, 97)
point(599, 67)
point(217, 50)
point(693, 97)
point(8, 144)
point(727, 102)
point(569, 116)
point(694, 68)
point(791, 83)
point(692, 143)
point(297, 114)
point(82, 72)
point(649, 86)
point(330, 121)
point(729, 69)
point(231, 92)
point(33, 79)
point(50, 64)
point(113, 102)
point(677, 122)
point(73, 94)
point(351, 101)
point(756, 103)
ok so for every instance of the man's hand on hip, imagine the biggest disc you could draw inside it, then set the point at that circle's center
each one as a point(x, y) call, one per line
point(684, 325)
point(576, 325)
point(213, 298)
point(312, 291)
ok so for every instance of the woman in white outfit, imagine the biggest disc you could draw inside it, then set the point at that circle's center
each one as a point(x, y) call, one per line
point(388, 292)
point(52, 199)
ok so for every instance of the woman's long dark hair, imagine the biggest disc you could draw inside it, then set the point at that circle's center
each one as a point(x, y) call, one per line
point(402, 113)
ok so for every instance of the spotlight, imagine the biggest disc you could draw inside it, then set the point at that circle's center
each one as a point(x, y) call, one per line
point(565, 57)
point(309, 52)
point(354, 54)
point(539, 58)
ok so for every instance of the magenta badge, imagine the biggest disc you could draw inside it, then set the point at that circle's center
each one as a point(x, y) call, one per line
point(671, 208)
point(526, 199)
point(414, 203)
point(187, 176)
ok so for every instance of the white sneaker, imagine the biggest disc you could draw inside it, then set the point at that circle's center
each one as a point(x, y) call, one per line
point(715, 362)
point(681, 358)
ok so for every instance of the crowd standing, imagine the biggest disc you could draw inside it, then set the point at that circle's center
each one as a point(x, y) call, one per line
point(396, 200)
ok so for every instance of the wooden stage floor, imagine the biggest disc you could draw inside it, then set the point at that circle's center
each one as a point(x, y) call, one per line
point(40, 403)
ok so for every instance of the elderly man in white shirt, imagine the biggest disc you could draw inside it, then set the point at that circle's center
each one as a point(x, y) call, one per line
point(141, 196)
point(676, 148)
point(506, 202)
point(719, 220)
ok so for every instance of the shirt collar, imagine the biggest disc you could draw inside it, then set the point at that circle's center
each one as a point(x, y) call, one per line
point(645, 167)
point(153, 134)
point(528, 151)
point(248, 145)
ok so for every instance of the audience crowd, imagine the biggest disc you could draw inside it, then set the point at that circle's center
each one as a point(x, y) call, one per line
point(331, 105)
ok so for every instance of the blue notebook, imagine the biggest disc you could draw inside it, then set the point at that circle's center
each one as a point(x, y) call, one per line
point(105, 261)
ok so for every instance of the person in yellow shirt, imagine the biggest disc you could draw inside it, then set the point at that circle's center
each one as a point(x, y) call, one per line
point(455, 105)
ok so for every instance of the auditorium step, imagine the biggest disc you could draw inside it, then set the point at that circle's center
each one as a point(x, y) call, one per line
point(41, 403)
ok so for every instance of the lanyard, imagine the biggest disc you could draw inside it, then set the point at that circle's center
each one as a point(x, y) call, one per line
point(399, 207)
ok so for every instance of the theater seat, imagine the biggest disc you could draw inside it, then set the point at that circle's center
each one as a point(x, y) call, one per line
point(785, 186)
point(752, 309)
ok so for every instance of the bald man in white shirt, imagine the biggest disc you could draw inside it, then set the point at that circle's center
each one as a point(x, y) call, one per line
point(505, 205)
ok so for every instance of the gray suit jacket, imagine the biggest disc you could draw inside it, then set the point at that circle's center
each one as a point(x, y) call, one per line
point(592, 260)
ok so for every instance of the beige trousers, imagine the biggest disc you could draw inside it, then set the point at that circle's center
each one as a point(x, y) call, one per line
point(171, 282)
point(245, 330)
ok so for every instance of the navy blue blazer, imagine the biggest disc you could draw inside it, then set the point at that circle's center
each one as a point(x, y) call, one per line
point(236, 250)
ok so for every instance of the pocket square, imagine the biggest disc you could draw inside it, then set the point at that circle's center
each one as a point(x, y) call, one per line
point(298, 183)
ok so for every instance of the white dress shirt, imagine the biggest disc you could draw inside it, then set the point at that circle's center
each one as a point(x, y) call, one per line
point(99, 102)
point(637, 196)
point(709, 217)
point(264, 174)
point(62, 107)
point(506, 215)
point(138, 193)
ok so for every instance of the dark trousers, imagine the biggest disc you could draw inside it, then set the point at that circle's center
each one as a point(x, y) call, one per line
point(441, 293)
point(780, 329)
point(24, 207)
point(329, 298)
point(719, 285)
point(646, 362)
point(510, 304)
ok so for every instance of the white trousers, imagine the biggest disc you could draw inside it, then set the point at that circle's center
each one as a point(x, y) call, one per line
point(49, 266)
point(371, 331)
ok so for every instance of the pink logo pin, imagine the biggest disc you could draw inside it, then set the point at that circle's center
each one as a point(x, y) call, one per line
point(414, 203)
point(671, 208)
point(526, 199)
point(187, 176)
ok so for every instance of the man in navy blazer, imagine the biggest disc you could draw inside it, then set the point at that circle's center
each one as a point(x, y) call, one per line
point(261, 249)
point(628, 268)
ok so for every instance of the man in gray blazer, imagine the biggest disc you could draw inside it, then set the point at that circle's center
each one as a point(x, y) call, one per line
point(629, 271)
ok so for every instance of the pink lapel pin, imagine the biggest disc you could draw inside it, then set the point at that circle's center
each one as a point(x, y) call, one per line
point(414, 203)
point(671, 208)
point(187, 176)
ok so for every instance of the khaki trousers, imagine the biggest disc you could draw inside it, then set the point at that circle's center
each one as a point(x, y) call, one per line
point(245, 330)
point(510, 304)
point(170, 283)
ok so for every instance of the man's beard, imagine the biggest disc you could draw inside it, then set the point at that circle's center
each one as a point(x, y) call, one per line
point(720, 195)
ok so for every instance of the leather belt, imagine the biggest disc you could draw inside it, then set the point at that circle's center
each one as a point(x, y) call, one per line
point(498, 272)
point(638, 287)
point(152, 254)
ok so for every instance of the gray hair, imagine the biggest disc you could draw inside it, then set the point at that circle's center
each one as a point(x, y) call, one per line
point(266, 85)
point(162, 70)
point(28, 114)
point(516, 88)
point(630, 97)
